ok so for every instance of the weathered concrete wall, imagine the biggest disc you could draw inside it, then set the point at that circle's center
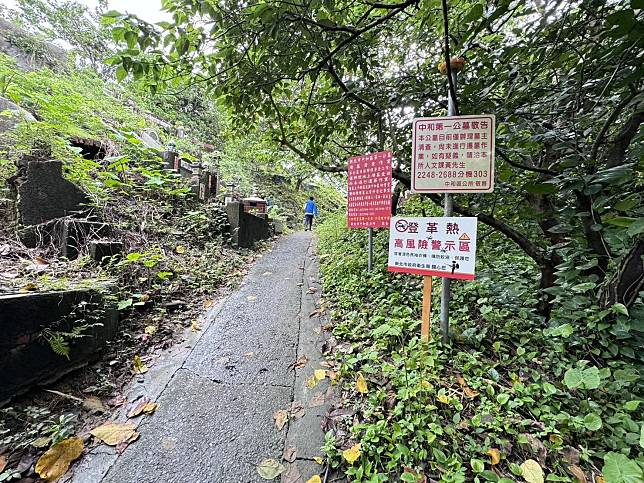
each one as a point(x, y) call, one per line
point(246, 229)
point(43, 193)
point(26, 358)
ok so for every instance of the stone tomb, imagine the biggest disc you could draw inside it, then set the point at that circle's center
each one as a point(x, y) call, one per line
point(43, 194)
point(28, 319)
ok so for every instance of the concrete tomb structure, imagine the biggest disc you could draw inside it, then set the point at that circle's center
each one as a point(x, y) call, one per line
point(28, 321)
point(246, 229)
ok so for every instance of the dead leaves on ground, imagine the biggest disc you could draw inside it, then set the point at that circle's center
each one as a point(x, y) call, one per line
point(297, 410)
point(281, 417)
point(137, 366)
point(269, 469)
point(56, 460)
point(142, 406)
point(578, 473)
point(3, 463)
point(495, 455)
point(290, 454)
point(300, 362)
point(361, 384)
point(352, 454)
point(114, 434)
point(94, 405)
point(318, 375)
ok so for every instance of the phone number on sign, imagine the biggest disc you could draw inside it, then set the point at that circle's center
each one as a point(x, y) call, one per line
point(452, 174)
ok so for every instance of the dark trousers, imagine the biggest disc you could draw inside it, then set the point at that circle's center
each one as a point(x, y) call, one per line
point(308, 222)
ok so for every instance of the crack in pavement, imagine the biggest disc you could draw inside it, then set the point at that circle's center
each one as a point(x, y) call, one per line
point(215, 420)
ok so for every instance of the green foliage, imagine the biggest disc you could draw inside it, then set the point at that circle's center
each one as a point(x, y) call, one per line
point(38, 427)
point(506, 381)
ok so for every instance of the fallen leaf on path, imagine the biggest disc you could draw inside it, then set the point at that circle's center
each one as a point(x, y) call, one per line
point(319, 374)
point(28, 287)
point(578, 473)
point(292, 474)
point(115, 433)
point(251, 298)
point(314, 479)
point(315, 313)
point(280, 417)
point(208, 303)
point(319, 460)
point(361, 384)
point(3, 463)
point(269, 469)
point(180, 249)
point(495, 455)
point(352, 454)
point(290, 454)
point(151, 329)
point(301, 362)
point(316, 400)
point(312, 290)
point(297, 410)
point(143, 406)
point(532, 471)
point(55, 462)
point(117, 401)
point(195, 327)
point(40, 261)
point(94, 405)
point(470, 393)
point(138, 366)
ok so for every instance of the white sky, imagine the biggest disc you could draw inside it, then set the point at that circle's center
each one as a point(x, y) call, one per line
point(148, 10)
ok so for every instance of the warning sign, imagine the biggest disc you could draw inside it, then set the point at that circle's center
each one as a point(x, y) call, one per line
point(370, 190)
point(441, 247)
point(453, 154)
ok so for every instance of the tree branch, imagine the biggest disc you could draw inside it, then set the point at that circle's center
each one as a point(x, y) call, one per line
point(525, 167)
point(607, 124)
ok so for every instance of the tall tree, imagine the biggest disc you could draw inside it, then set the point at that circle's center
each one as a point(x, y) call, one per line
point(564, 80)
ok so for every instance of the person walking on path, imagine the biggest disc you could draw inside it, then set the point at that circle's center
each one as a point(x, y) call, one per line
point(310, 210)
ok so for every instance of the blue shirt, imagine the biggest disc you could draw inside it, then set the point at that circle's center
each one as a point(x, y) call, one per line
point(310, 208)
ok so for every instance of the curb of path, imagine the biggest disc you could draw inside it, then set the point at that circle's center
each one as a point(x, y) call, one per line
point(305, 435)
point(96, 464)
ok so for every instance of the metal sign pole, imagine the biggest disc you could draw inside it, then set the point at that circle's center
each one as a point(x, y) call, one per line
point(445, 288)
point(370, 265)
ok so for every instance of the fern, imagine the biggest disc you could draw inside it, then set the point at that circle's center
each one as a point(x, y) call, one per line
point(59, 341)
point(58, 344)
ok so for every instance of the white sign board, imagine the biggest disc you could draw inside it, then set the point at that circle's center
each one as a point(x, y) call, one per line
point(453, 154)
point(441, 247)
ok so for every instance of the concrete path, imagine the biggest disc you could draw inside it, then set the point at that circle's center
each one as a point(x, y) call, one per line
point(217, 398)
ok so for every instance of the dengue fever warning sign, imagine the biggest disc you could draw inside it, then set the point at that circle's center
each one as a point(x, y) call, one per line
point(441, 247)
point(453, 154)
